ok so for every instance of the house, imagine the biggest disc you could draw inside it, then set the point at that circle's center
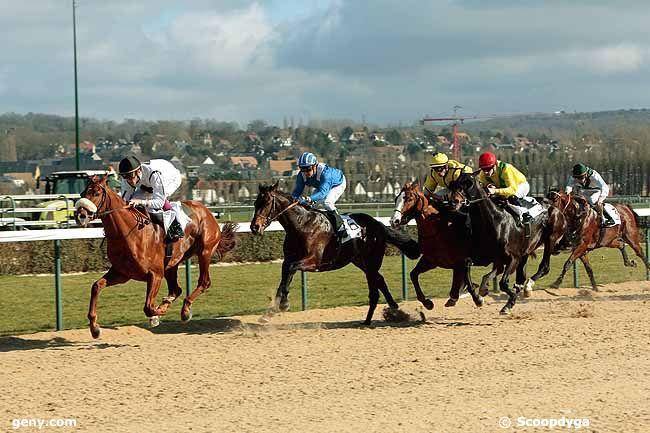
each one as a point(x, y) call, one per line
point(378, 136)
point(243, 162)
point(357, 136)
point(85, 147)
point(203, 138)
point(253, 138)
point(25, 172)
point(463, 136)
point(285, 167)
point(442, 140)
point(283, 139)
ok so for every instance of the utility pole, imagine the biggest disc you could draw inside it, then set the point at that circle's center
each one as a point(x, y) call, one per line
point(76, 97)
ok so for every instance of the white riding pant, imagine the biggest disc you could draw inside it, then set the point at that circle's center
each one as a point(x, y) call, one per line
point(522, 192)
point(329, 202)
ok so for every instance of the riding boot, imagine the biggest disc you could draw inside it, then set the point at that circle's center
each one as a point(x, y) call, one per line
point(339, 228)
point(175, 231)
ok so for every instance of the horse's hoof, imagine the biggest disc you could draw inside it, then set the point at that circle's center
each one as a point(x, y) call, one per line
point(527, 293)
point(450, 303)
point(168, 299)
point(479, 301)
point(95, 332)
point(505, 311)
point(264, 319)
point(632, 264)
point(284, 307)
point(555, 285)
point(366, 323)
point(154, 321)
point(186, 315)
point(428, 304)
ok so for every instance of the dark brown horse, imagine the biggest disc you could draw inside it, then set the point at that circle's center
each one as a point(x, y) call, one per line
point(310, 245)
point(136, 249)
point(444, 243)
point(586, 233)
point(497, 239)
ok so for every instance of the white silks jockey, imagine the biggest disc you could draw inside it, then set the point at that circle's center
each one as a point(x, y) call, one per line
point(150, 185)
point(588, 183)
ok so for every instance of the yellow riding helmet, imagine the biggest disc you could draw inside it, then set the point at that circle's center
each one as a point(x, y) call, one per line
point(438, 159)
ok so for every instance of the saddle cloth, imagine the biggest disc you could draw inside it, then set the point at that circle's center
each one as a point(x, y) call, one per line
point(352, 229)
point(613, 212)
point(533, 208)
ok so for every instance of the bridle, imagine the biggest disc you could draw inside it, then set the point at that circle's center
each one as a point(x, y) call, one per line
point(141, 218)
point(416, 206)
point(268, 219)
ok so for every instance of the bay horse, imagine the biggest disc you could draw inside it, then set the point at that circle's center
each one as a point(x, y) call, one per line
point(586, 233)
point(444, 243)
point(311, 245)
point(136, 249)
point(497, 239)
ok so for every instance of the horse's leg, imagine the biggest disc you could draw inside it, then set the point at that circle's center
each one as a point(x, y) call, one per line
point(465, 272)
point(632, 237)
point(626, 259)
point(110, 278)
point(153, 313)
point(281, 300)
point(485, 281)
point(174, 290)
point(575, 254)
point(423, 265)
point(590, 272)
point(457, 279)
point(203, 284)
point(376, 283)
point(544, 265)
point(520, 276)
point(510, 267)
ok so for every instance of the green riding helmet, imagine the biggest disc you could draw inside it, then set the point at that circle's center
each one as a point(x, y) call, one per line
point(580, 170)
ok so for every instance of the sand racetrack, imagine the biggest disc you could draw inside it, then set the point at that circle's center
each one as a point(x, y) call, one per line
point(579, 355)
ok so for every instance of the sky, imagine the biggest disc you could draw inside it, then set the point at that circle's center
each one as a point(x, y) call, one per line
point(384, 61)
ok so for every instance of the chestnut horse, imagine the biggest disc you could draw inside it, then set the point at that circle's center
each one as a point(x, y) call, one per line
point(443, 243)
point(497, 239)
point(586, 233)
point(311, 245)
point(136, 249)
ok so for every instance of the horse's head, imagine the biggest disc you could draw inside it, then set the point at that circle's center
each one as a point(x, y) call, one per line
point(92, 201)
point(465, 189)
point(409, 202)
point(266, 208)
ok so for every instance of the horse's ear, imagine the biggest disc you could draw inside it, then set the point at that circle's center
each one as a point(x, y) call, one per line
point(416, 183)
point(475, 173)
point(274, 187)
point(95, 178)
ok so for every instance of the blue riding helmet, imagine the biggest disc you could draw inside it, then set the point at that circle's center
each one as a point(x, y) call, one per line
point(307, 159)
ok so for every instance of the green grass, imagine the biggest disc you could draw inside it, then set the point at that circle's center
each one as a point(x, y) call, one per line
point(28, 301)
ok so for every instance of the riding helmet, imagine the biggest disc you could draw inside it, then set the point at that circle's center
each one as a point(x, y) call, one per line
point(487, 160)
point(129, 164)
point(579, 170)
point(438, 159)
point(307, 159)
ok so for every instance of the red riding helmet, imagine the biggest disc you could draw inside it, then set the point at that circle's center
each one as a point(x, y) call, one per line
point(487, 160)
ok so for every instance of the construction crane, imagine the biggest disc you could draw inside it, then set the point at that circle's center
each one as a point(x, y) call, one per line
point(456, 119)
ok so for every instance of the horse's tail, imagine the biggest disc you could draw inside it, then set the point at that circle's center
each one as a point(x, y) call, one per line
point(402, 241)
point(228, 238)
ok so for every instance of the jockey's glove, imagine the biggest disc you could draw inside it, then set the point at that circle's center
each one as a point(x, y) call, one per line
point(136, 202)
point(306, 201)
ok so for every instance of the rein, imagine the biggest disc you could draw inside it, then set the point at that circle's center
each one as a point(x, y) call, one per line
point(269, 220)
point(141, 218)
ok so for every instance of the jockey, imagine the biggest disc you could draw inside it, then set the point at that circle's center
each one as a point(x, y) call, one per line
point(329, 183)
point(590, 184)
point(443, 171)
point(150, 185)
point(504, 180)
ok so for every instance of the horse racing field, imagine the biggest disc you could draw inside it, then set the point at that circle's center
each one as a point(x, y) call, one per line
point(571, 358)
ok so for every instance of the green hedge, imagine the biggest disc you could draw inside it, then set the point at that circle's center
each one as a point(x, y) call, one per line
point(83, 255)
